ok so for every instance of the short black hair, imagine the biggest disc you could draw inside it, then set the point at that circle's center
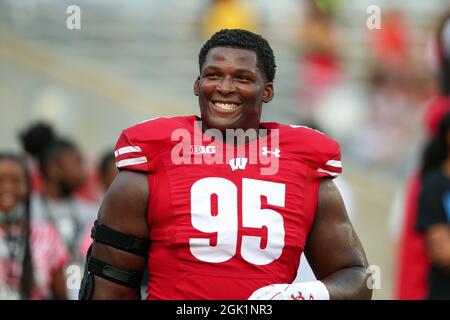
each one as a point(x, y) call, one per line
point(242, 39)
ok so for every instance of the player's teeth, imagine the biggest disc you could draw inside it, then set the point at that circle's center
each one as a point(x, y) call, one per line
point(226, 106)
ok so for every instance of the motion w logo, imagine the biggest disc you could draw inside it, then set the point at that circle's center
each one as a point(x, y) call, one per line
point(238, 163)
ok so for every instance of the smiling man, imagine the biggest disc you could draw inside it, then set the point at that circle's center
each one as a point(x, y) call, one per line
point(225, 229)
point(232, 87)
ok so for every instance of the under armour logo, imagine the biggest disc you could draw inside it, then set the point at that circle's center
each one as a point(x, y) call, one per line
point(276, 153)
point(238, 163)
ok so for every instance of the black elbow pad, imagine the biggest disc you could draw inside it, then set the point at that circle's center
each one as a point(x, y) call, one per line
point(106, 271)
point(116, 239)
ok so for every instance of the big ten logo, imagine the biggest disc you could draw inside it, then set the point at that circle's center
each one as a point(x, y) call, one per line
point(73, 21)
point(73, 277)
point(374, 19)
point(374, 279)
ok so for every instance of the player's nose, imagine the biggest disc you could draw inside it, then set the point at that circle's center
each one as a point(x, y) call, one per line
point(226, 86)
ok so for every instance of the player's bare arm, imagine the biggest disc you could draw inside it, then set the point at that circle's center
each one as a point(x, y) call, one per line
point(124, 209)
point(334, 253)
point(333, 249)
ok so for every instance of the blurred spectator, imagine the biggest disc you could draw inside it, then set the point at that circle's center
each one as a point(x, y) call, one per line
point(412, 263)
point(443, 55)
point(390, 43)
point(394, 116)
point(397, 91)
point(32, 256)
point(228, 14)
point(433, 218)
point(107, 170)
point(63, 172)
point(318, 65)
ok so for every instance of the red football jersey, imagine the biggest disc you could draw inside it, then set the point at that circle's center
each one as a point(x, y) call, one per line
point(226, 220)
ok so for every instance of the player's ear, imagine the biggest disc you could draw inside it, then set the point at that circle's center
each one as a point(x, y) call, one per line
point(268, 92)
point(196, 83)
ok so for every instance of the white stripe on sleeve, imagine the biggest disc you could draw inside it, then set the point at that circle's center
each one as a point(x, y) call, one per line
point(333, 174)
point(131, 162)
point(127, 149)
point(334, 163)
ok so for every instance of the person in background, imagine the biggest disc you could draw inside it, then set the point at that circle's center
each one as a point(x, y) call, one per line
point(319, 67)
point(32, 256)
point(107, 170)
point(412, 265)
point(63, 173)
point(228, 14)
point(433, 218)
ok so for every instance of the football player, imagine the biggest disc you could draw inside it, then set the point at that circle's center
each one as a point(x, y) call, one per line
point(199, 209)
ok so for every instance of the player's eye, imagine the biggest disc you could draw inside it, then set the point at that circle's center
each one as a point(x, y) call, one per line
point(242, 78)
point(213, 76)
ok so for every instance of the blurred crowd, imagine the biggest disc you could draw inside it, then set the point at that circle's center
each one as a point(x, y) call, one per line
point(384, 113)
point(48, 204)
point(397, 82)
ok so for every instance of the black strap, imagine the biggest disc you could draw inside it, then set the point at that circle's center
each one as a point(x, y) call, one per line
point(87, 283)
point(116, 239)
point(114, 274)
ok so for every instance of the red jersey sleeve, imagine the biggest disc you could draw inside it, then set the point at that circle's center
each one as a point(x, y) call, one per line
point(139, 146)
point(321, 153)
point(330, 164)
point(130, 153)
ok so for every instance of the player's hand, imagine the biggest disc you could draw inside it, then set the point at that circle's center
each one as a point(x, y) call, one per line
point(271, 292)
point(312, 290)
